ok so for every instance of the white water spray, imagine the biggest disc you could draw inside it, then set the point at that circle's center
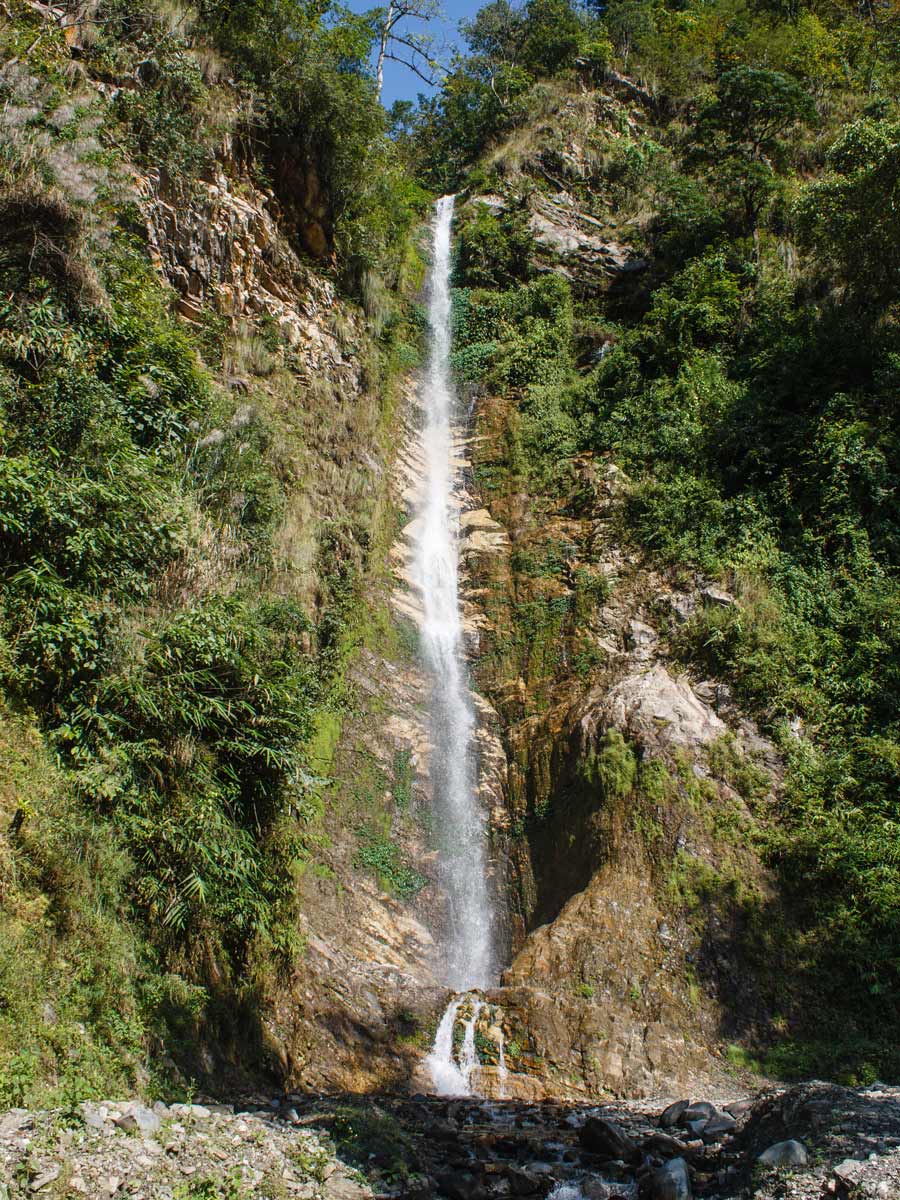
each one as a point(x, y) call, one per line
point(450, 1074)
point(459, 817)
point(460, 820)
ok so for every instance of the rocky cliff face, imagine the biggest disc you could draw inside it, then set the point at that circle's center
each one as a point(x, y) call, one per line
point(623, 792)
point(634, 786)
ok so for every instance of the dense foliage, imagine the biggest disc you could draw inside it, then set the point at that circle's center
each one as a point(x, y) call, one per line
point(746, 381)
point(161, 687)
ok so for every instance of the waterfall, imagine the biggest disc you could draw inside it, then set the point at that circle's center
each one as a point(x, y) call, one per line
point(459, 818)
point(451, 1075)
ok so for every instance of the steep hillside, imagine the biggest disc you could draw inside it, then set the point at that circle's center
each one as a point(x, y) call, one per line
point(204, 335)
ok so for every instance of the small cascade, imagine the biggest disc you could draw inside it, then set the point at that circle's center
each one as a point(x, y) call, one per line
point(502, 1072)
point(451, 1074)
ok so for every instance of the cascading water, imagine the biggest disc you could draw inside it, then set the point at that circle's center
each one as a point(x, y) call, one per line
point(460, 820)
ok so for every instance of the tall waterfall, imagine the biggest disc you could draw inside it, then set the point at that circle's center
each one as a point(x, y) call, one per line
point(459, 818)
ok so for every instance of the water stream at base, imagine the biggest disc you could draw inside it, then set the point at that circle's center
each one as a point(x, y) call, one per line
point(460, 820)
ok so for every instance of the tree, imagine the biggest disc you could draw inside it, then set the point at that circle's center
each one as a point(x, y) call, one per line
point(849, 217)
point(740, 135)
point(416, 51)
point(541, 38)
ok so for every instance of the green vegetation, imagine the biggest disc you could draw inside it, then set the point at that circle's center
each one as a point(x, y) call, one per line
point(188, 530)
point(181, 564)
point(375, 1141)
point(380, 855)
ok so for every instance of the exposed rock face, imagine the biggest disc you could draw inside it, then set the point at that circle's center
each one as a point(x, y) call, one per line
point(654, 708)
point(581, 245)
point(227, 249)
point(613, 987)
point(601, 992)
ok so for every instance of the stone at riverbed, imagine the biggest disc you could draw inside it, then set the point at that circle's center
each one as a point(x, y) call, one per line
point(738, 1108)
point(606, 1139)
point(700, 1110)
point(785, 1154)
point(663, 1146)
point(136, 1118)
point(462, 1185)
point(672, 1115)
point(718, 1126)
point(525, 1183)
point(671, 1182)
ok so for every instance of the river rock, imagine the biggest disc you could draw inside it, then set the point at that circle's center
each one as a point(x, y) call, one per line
point(524, 1183)
point(738, 1108)
point(718, 1126)
point(670, 1116)
point(136, 1118)
point(663, 1146)
point(699, 1110)
point(462, 1185)
point(785, 1154)
point(671, 1182)
point(606, 1139)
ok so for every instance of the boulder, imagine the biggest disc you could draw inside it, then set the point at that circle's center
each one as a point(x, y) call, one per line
point(608, 1140)
point(671, 1182)
point(461, 1185)
point(661, 1145)
point(137, 1118)
point(738, 1108)
point(655, 708)
point(849, 1171)
point(785, 1154)
point(699, 1110)
point(718, 1126)
point(524, 1183)
point(669, 1117)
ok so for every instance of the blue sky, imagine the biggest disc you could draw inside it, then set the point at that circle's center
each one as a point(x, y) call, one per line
point(401, 84)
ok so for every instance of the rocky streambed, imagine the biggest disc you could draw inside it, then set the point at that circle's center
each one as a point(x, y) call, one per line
point(812, 1141)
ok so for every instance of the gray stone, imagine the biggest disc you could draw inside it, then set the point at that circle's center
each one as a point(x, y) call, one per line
point(663, 1146)
point(785, 1154)
point(849, 1171)
point(738, 1108)
point(137, 1118)
point(462, 1185)
point(671, 1182)
point(45, 1178)
point(699, 1110)
point(606, 1139)
point(716, 1127)
point(15, 1121)
point(522, 1182)
point(716, 596)
point(672, 1115)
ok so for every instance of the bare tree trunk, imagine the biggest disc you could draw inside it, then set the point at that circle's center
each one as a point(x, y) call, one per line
point(382, 49)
